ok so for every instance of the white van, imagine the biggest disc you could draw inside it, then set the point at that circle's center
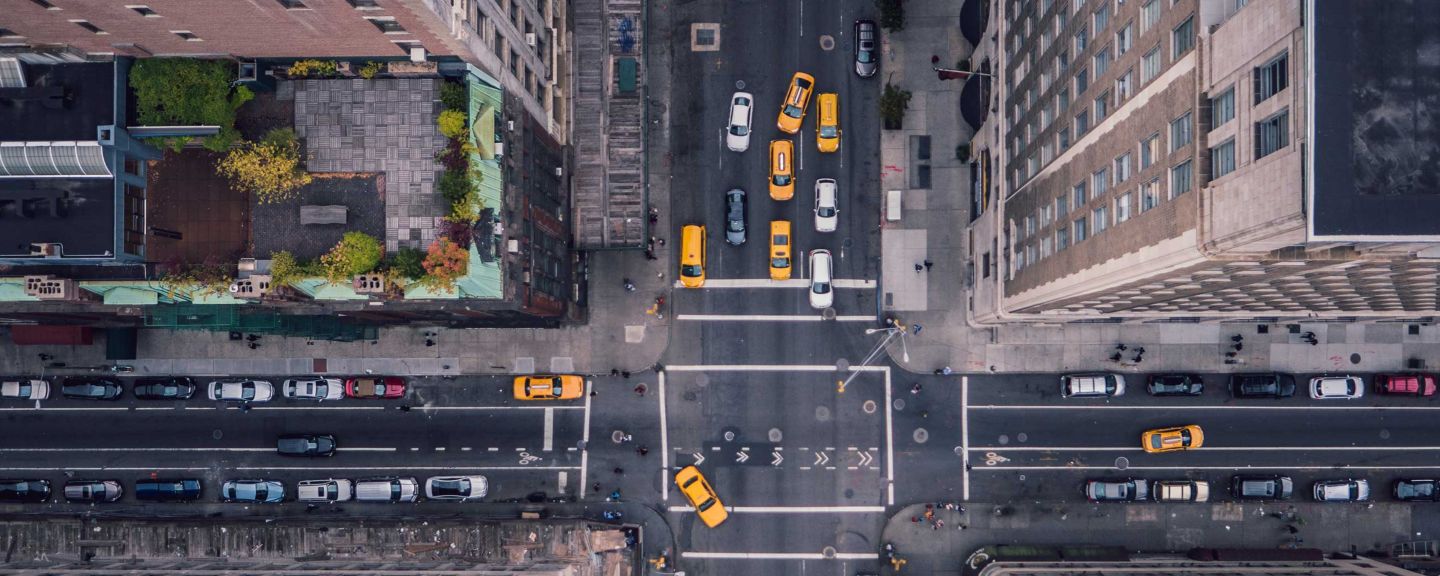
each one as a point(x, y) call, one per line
point(892, 205)
point(331, 490)
point(387, 490)
point(1092, 385)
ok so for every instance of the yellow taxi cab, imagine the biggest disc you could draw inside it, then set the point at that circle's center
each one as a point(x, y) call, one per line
point(707, 505)
point(780, 262)
point(562, 387)
point(1172, 439)
point(782, 170)
point(827, 130)
point(792, 111)
point(692, 256)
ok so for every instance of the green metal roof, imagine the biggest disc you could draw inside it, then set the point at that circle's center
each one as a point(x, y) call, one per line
point(322, 289)
point(129, 296)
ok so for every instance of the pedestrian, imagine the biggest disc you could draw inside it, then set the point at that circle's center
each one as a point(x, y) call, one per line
point(929, 513)
point(642, 450)
point(915, 519)
point(650, 255)
point(429, 342)
point(946, 371)
point(1139, 358)
point(915, 389)
point(660, 241)
point(939, 524)
point(1314, 342)
point(939, 371)
point(919, 267)
point(1229, 354)
point(615, 496)
point(629, 286)
point(254, 346)
point(1140, 350)
point(918, 328)
point(1121, 347)
point(1116, 357)
point(640, 389)
point(1239, 346)
point(614, 371)
point(928, 264)
point(934, 59)
point(1292, 528)
point(1237, 338)
point(624, 374)
point(619, 471)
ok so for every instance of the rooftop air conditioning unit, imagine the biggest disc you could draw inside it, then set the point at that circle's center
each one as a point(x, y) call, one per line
point(45, 249)
point(530, 39)
point(513, 246)
point(50, 288)
point(559, 171)
point(256, 286)
point(417, 54)
point(369, 284)
point(510, 125)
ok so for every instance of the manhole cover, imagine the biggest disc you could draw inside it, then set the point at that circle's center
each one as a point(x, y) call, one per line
point(828, 313)
point(729, 436)
point(1122, 463)
point(1022, 437)
point(739, 84)
point(217, 434)
point(827, 42)
point(868, 406)
point(828, 552)
point(842, 365)
point(1354, 358)
point(822, 414)
point(921, 435)
point(960, 451)
point(705, 37)
point(1004, 439)
point(775, 435)
point(1385, 434)
point(899, 403)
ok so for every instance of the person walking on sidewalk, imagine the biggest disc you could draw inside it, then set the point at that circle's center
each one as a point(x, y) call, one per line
point(629, 286)
point(917, 330)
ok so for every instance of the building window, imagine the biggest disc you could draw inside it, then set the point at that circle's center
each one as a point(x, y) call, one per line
point(1180, 132)
point(1180, 177)
point(1122, 168)
point(1101, 218)
point(45, 4)
point(88, 26)
point(1080, 41)
point(985, 267)
point(1062, 238)
point(1102, 61)
point(1149, 195)
point(1082, 81)
point(1150, 65)
point(1122, 88)
point(1079, 196)
point(1082, 123)
point(1149, 15)
point(134, 219)
point(1182, 39)
point(187, 35)
point(1046, 246)
point(1027, 228)
point(1080, 230)
point(1064, 135)
point(1222, 159)
point(1062, 205)
point(293, 4)
point(1149, 150)
point(1222, 108)
point(1102, 107)
point(1272, 134)
point(1064, 101)
point(1062, 62)
point(1122, 207)
point(1100, 182)
point(364, 4)
point(386, 24)
point(8, 33)
point(143, 11)
point(1271, 78)
point(1123, 38)
point(1102, 18)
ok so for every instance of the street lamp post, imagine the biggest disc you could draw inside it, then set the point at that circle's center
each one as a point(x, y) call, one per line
point(890, 333)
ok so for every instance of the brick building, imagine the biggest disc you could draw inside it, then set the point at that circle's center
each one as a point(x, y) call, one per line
point(1189, 159)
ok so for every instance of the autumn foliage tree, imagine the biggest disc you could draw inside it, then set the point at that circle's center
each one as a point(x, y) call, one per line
point(269, 169)
point(357, 253)
point(445, 262)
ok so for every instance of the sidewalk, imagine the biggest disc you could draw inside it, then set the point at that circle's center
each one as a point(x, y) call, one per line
point(933, 228)
point(1145, 528)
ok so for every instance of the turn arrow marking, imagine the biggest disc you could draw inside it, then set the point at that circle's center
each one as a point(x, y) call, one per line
point(741, 457)
point(821, 458)
point(865, 458)
point(698, 458)
point(777, 460)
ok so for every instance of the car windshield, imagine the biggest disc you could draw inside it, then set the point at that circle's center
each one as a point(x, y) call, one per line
point(779, 262)
point(736, 224)
point(820, 287)
point(1414, 489)
point(1157, 441)
point(827, 131)
point(247, 391)
point(739, 130)
point(742, 101)
point(865, 56)
point(690, 270)
point(782, 179)
point(451, 487)
point(793, 111)
point(825, 211)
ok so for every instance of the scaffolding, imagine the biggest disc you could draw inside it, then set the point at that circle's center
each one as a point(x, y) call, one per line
point(236, 318)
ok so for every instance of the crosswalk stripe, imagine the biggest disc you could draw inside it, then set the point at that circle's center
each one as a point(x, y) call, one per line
point(768, 283)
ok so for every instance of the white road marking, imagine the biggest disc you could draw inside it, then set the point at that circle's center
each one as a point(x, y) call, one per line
point(585, 439)
point(549, 443)
point(770, 318)
point(772, 368)
point(1211, 407)
point(439, 448)
point(1230, 468)
point(664, 440)
point(103, 468)
point(331, 408)
point(779, 556)
point(107, 409)
point(726, 283)
point(889, 440)
point(562, 480)
point(793, 509)
point(1208, 448)
point(965, 437)
point(493, 449)
point(214, 449)
point(426, 468)
point(465, 449)
point(498, 408)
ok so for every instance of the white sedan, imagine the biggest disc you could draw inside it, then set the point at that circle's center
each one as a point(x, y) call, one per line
point(737, 134)
point(241, 391)
point(827, 209)
point(313, 388)
point(457, 488)
point(1342, 387)
point(822, 290)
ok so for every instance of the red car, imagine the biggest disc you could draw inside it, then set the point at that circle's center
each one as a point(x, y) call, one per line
point(375, 387)
point(1406, 384)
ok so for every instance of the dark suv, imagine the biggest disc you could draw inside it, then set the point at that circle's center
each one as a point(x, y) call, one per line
point(170, 388)
point(24, 490)
point(1175, 385)
point(735, 217)
point(171, 490)
point(306, 445)
point(1261, 487)
point(92, 388)
point(1264, 385)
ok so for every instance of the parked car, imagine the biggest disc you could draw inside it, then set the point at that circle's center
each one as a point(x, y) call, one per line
point(1175, 385)
point(1123, 490)
point(1347, 490)
point(1337, 387)
point(1262, 385)
point(866, 58)
point(1172, 439)
point(701, 495)
point(1416, 490)
point(25, 389)
point(254, 491)
point(1180, 490)
point(24, 490)
point(330, 490)
point(560, 387)
point(822, 286)
point(390, 489)
point(305, 445)
point(93, 491)
point(168, 490)
point(1406, 384)
point(375, 387)
point(168, 388)
point(92, 388)
point(1092, 385)
point(827, 205)
point(742, 109)
point(457, 488)
point(736, 214)
point(241, 391)
point(1261, 487)
point(313, 388)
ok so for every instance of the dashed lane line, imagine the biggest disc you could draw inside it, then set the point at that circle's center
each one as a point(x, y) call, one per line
point(768, 283)
point(769, 318)
point(793, 509)
point(1237, 469)
point(772, 368)
point(1207, 448)
point(212, 449)
point(779, 556)
point(1170, 407)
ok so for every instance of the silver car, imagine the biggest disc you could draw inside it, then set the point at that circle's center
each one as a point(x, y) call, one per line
point(822, 286)
point(457, 488)
point(1349, 490)
point(25, 389)
point(827, 208)
point(737, 134)
point(92, 491)
point(258, 491)
point(867, 56)
point(330, 490)
point(314, 388)
point(241, 391)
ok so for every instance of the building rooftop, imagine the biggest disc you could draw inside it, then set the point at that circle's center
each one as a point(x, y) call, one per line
point(59, 102)
point(78, 213)
point(1376, 132)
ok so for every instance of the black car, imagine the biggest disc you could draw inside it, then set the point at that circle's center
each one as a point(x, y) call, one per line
point(1415, 490)
point(1261, 487)
point(24, 490)
point(92, 388)
point(867, 61)
point(735, 209)
point(1175, 385)
point(173, 388)
point(306, 445)
point(170, 490)
point(1264, 385)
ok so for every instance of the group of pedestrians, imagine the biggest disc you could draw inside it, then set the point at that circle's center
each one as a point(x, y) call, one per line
point(1119, 355)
